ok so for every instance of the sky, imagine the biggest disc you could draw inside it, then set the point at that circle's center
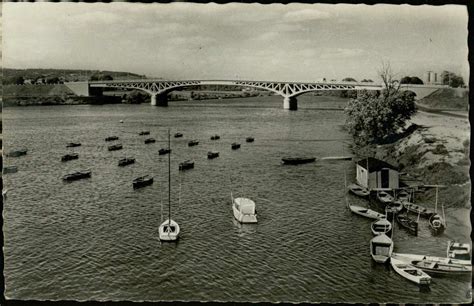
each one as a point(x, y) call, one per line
point(296, 42)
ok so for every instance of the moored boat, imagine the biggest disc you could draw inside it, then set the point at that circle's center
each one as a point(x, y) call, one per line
point(297, 160)
point(440, 268)
point(164, 151)
point(405, 257)
point(381, 226)
point(178, 135)
point(358, 190)
point(188, 164)
point(212, 154)
point(10, 169)
point(235, 146)
point(126, 161)
point(142, 181)
point(144, 133)
point(409, 224)
point(394, 207)
point(215, 137)
point(17, 153)
point(193, 143)
point(244, 210)
point(365, 212)
point(384, 197)
point(437, 224)
point(77, 175)
point(111, 138)
point(150, 140)
point(73, 144)
point(381, 247)
point(115, 147)
point(461, 251)
point(69, 157)
point(249, 139)
point(410, 272)
point(418, 209)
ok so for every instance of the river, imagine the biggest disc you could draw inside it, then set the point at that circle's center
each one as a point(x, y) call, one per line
point(96, 239)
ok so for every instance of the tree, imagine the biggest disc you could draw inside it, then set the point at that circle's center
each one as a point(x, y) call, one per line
point(367, 81)
point(451, 79)
point(101, 77)
point(411, 80)
point(106, 77)
point(52, 80)
point(348, 79)
point(136, 97)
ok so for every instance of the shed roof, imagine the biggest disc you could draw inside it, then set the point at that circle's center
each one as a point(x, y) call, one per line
point(375, 164)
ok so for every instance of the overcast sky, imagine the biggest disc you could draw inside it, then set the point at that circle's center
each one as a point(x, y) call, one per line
point(297, 42)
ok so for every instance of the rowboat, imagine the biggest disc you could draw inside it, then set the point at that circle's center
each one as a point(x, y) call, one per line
point(394, 207)
point(436, 222)
point(249, 139)
point(365, 212)
point(417, 209)
point(215, 137)
point(10, 169)
point(70, 156)
point(111, 138)
point(235, 146)
point(458, 250)
point(17, 153)
point(77, 175)
point(178, 135)
point(297, 160)
point(150, 140)
point(409, 224)
point(73, 144)
point(410, 272)
point(381, 247)
point(192, 143)
point(440, 268)
point(384, 197)
point(212, 154)
point(408, 258)
point(163, 151)
point(126, 161)
point(188, 164)
point(358, 190)
point(381, 226)
point(115, 147)
point(144, 133)
point(142, 181)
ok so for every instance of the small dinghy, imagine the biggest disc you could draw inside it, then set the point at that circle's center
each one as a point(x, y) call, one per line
point(193, 143)
point(408, 224)
point(188, 164)
point(235, 146)
point(384, 197)
point(115, 147)
point(394, 207)
point(69, 157)
point(111, 138)
point(215, 137)
point(142, 181)
point(461, 251)
point(178, 135)
point(410, 272)
point(358, 190)
point(408, 258)
point(17, 153)
point(168, 230)
point(212, 154)
point(10, 169)
point(418, 209)
point(381, 247)
point(297, 160)
point(144, 133)
point(336, 158)
point(381, 226)
point(244, 210)
point(150, 140)
point(73, 144)
point(126, 161)
point(164, 151)
point(365, 212)
point(249, 139)
point(436, 224)
point(442, 268)
point(77, 175)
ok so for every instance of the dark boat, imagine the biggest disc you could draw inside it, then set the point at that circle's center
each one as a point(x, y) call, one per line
point(186, 165)
point(73, 144)
point(193, 143)
point(418, 209)
point(437, 224)
point(115, 147)
point(10, 169)
point(215, 137)
point(150, 140)
point(126, 161)
point(142, 181)
point(297, 160)
point(111, 138)
point(235, 146)
point(17, 153)
point(178, 135)
point(77, 175)
point(164, 151)
point(144, 133)
point(409, 224)
point(212, 154)
point(68, 157)
point(249, 139)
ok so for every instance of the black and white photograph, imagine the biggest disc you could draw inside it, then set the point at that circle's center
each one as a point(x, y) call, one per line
point(237, 152)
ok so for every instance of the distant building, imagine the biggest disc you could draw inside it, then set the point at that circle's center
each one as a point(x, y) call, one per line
point(376, 174)
point(431, 77)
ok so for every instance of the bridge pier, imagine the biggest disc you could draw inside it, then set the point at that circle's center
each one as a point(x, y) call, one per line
point(153, 100)
point(159, 99)
point(290, 103)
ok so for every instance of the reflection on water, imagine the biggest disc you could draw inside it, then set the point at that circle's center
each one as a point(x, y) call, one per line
point(97, 238)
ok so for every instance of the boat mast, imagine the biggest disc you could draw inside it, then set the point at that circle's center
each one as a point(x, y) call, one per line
point(436, 202)
point(169, 179)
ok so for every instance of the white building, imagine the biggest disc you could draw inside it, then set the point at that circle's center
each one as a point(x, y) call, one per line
point(376, 174)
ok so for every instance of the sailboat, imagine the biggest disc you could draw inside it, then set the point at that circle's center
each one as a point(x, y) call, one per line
point(436, 222)
point(169, 229)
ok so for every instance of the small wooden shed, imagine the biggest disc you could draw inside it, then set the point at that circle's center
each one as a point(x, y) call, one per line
point(376, 174)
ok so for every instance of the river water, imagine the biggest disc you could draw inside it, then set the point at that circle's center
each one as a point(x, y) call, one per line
point(96, 239)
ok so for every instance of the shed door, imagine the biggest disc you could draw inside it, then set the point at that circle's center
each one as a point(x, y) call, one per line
point(384, 176)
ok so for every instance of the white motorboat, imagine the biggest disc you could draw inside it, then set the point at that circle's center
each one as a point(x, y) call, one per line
point(381, 247)
point(410, 272)
point(365, 212)
point(169, 229)
point(461, 251)
point(381, 226)
point(244, 210)
point(384, 197)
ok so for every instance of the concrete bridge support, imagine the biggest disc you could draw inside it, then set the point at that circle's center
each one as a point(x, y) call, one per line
point(153, 99)
point(159, 99)
point(290, 103)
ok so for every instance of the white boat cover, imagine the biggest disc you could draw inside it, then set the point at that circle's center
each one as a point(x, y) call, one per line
point(246, 206)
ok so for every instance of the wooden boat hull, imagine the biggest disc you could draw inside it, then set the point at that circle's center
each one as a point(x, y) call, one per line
point(410, 272)
point(69, 157)
point(438, 268)
point(77, 176)
point(111, 138)
point(17, 153)
point(72, 145)
point(10, 169)
point(358, 191)
point(381, 226)
point(409, 225)
point(149, 140)
point(178, 135)
point(417, 209)
point(115, 148)
point(408, 258)
point(163, 151)
point(436, 224)
point(297, 161)
point(365, 212)
point(249, 139)
point(235, 146)
point(381, 248)
point(126, 161)
point(193, 143)
point(186, 166)
point(169, 230)
point(456, 250)
point(142, 182)
point(144, 133)
point(212, 155)
point(215, 137)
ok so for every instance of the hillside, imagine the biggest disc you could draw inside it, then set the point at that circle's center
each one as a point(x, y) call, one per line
point(447, 99)
point(29, 90)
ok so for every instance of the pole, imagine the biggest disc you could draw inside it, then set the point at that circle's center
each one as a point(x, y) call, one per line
point(436, 203)
point(169, 179)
